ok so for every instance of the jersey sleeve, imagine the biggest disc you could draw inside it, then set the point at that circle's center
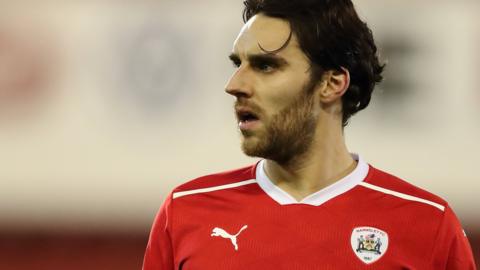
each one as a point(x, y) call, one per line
point(159, 251)
point(452, 250)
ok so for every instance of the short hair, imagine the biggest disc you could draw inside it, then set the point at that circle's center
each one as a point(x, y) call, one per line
point(332, 36)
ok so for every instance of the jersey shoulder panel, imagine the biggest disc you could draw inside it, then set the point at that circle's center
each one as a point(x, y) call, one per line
point(389, 182)
point(226, 178)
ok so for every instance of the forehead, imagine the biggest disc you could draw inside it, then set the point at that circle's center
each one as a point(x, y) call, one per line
point(268, 33)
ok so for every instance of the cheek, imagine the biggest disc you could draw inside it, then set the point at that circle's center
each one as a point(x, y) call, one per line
point(284, 98)
point(281, 94)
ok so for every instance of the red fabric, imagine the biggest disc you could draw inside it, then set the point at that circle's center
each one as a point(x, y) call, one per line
point(301, 236)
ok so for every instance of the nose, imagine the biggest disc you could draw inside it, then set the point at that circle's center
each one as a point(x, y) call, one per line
point(240, 85)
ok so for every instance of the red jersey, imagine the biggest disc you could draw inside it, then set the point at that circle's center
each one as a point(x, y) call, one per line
point(367, 220)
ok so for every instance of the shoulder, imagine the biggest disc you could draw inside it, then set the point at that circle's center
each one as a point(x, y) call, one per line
point(217, 181)
point(399, 189)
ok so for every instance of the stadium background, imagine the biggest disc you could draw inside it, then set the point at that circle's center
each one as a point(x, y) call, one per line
point(105, 106)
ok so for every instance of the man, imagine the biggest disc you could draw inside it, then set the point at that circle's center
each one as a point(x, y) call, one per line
point(302, 69)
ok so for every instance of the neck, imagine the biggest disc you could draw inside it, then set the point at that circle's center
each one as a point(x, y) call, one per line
point(326, 162)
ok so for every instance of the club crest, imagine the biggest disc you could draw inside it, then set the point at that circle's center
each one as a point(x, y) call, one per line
point(369, 244)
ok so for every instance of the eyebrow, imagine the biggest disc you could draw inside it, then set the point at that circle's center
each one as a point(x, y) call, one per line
point(259, 58)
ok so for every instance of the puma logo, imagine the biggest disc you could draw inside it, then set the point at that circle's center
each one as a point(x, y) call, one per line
point(219, 232)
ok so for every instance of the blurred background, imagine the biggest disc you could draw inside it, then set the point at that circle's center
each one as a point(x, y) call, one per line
point(105, 106)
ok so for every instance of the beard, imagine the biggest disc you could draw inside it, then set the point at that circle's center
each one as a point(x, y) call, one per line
point(289, 133)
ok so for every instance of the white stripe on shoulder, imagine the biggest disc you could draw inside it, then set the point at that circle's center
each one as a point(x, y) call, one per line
point(402, 195)
point(210, 189)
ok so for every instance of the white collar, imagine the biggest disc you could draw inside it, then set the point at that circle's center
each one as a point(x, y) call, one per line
point(341, 186)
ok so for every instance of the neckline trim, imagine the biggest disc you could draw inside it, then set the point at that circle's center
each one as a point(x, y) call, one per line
point(318, 198)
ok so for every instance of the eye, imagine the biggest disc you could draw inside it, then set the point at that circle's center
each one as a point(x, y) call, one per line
point(265, 67)
point(236, 63)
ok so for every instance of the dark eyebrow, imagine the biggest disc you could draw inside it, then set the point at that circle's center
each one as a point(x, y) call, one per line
point(267, 58)
point(259, 58)
point(234, 57)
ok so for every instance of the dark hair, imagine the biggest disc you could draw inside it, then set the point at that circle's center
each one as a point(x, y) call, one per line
point(332, 36)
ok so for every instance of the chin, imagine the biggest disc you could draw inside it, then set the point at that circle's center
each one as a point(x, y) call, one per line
point(250, 146)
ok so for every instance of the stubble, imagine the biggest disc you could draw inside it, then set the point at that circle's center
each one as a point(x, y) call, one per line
point(288, 134)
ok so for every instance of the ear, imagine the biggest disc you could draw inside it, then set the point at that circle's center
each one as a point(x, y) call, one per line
point(334, 84)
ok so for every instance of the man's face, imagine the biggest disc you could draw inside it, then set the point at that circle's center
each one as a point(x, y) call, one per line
point(275, 106)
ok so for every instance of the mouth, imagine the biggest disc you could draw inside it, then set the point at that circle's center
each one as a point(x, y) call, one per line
point(247, 119)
